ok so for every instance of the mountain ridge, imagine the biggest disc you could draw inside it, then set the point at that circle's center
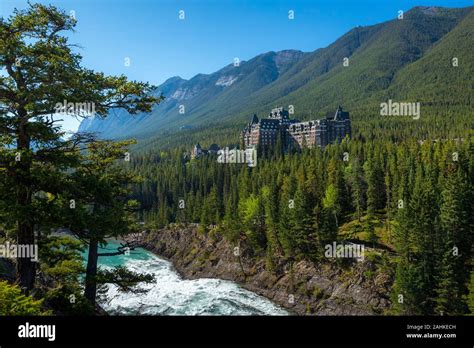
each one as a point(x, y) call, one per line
point(314, 82)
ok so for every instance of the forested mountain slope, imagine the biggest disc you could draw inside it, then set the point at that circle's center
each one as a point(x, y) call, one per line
point(409, 59)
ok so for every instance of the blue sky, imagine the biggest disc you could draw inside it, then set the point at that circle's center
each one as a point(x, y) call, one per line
point(159, 45)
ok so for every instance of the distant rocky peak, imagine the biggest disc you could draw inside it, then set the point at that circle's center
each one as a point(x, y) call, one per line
point(429, 10)
point(226, 81)
point(285, 57)
point(425, 11)
point(174, 79)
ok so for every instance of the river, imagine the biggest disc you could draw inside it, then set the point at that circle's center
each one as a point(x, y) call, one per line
point(172, 295)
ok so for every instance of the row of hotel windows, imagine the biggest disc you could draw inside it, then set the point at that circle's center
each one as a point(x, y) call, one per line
point(317, 135)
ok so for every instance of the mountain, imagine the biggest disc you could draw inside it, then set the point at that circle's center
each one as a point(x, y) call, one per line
point(391, 54)
point(407, 59)
point(432, 78)
point(229, 86)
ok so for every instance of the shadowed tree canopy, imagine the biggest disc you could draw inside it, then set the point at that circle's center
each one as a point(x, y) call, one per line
point(100, 187)
point(42, 70)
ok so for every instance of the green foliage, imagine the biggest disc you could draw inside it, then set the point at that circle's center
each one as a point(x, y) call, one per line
point(62, 268)
point(330, 198)
point(61, 258)
point(370, 228)
point(434, 244)
point(123, 278)
point(68, 299)
point(13, 302)
point(286, 208)
point(471, 294)
point(41, 69)
point(355, 179)
point(456, 225)
point(252, 213)
point(403, 60)
point(99, 186)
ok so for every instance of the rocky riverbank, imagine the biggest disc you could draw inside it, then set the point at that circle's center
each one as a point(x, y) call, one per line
point(328, 289)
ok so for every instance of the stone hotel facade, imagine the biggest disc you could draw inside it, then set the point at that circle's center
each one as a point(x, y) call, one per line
point(295, 134)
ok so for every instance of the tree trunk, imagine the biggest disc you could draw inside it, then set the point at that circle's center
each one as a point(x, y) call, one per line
point(91, 272)
point(26, 268)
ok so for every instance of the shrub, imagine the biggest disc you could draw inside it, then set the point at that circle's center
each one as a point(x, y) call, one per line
point(13, 302)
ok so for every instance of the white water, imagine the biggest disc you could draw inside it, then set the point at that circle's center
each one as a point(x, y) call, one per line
point(172, 295)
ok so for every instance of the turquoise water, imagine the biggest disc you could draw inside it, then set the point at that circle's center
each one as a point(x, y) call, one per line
point(172, 295)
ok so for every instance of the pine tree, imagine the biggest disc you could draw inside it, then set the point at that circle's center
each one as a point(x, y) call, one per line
point(336, 197)
point(450, 295)
point(231, 224)
point(302, 223)
point(286, 209)
point(41, 70)
point(13, 302)
point(375, 184)
point(424, 214)
point(252, 212)
point(406, 276)
point(330, 202)
point(471, 293)
point(455, 226)
point(101, 209)
point(271, 202)
point(356, 179)
point(369, 227)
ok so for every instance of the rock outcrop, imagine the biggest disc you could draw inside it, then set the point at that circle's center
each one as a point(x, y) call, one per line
point(358, 288)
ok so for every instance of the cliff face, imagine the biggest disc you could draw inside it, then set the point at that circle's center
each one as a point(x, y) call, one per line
point(304, 288)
